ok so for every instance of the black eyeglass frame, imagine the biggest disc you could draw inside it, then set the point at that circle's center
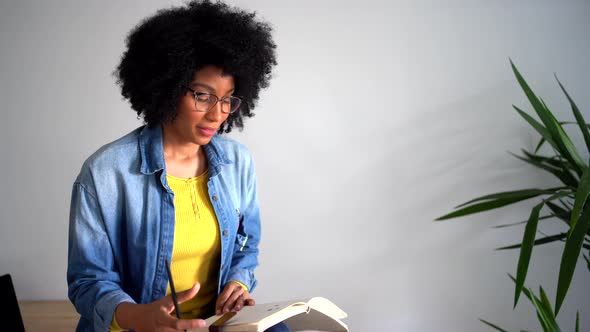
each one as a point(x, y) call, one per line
point(196, 94)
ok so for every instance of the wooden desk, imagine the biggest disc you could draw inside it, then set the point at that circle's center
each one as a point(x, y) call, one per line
point(58, 316)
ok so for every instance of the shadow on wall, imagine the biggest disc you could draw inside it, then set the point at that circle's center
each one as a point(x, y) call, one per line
point(405, 176)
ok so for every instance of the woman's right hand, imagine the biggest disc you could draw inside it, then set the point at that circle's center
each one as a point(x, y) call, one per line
point(157, 316)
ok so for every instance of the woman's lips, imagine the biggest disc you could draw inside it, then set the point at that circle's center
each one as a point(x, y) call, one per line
point(207, 131)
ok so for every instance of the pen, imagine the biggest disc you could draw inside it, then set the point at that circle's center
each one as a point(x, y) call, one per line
point(172, 291)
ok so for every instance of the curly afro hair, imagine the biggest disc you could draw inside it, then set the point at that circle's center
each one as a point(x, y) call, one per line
point(165, 50)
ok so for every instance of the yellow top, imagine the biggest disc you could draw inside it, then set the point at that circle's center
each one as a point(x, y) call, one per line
point(197, 246)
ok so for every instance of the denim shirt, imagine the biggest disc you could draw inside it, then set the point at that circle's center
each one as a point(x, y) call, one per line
point(121, 227)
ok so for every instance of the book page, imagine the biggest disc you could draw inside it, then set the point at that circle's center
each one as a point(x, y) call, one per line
point(315, 314)
point(259, 317)
point(327, 307)
point(315, 321)
point(323, 315)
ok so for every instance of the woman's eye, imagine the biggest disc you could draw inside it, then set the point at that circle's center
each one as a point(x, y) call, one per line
point(203, 97)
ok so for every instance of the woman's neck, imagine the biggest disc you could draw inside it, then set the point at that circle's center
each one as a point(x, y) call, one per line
point(183, 159)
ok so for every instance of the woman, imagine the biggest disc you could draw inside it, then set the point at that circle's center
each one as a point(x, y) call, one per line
point(174, 190)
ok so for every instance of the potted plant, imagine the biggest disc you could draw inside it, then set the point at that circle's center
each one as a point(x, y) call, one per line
point(568, 202)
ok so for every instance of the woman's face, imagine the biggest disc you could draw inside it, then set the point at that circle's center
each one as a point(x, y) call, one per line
point(192, 126)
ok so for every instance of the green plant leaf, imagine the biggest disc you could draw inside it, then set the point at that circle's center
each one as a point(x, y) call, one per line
point(526, 250)
point(566, 192)
point(560, 162)
point(535, 102)
point(577, 321)
point(542, 140)
point(545, 134)
point(544, 240)
point(577, 115)
point(559, 212)
point(523, 221)
point(562, 166)
point(545, 302)
point(540, 312)
point(570, 122)
point(547, 322)
point(569, 259)
point(540, 144)
point(563, 176)
point(571, 153)
point(515, 194)
point(562, 143)
point(498, 200)
point(492, 325)
point(485, 206)
point(581, 197)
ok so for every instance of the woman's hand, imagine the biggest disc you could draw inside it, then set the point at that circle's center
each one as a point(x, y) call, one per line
point(233, 298)
point(157, 316)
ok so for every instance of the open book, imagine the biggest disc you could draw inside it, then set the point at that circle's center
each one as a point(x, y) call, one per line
point(315, 314)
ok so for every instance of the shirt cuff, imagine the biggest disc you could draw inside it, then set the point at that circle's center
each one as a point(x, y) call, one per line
point(114, 325)
point(244, 276)
point(241, 284)
point(104, 310)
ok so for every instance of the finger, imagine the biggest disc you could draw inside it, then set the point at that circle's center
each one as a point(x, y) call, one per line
point(166, 329)
point(239, 303)
point(175, 324)
point(166, 304)
point(187, 324)
point(250, 302)
point(167, 321)
point(225, 294)
point(188, 294)
point(231, 301)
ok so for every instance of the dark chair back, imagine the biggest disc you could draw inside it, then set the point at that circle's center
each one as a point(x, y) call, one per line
point(10, 317)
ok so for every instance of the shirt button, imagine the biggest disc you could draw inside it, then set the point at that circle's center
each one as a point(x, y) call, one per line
point(225, 233)
point(214, 197)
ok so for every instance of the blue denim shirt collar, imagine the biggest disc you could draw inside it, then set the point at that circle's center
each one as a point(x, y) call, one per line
point(152, 152)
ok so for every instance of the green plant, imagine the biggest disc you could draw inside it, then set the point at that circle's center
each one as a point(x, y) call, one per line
point(545, 314)
point(568, 202)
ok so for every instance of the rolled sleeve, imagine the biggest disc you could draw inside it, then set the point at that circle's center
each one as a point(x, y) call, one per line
point(93, 282)
point(104, 310)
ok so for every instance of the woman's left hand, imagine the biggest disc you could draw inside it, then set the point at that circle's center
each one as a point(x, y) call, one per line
point(233, 298)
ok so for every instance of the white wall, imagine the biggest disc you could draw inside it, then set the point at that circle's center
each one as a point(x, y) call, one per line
point(382, 116)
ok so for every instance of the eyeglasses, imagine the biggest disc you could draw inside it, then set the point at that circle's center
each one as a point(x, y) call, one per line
point(206, 101)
